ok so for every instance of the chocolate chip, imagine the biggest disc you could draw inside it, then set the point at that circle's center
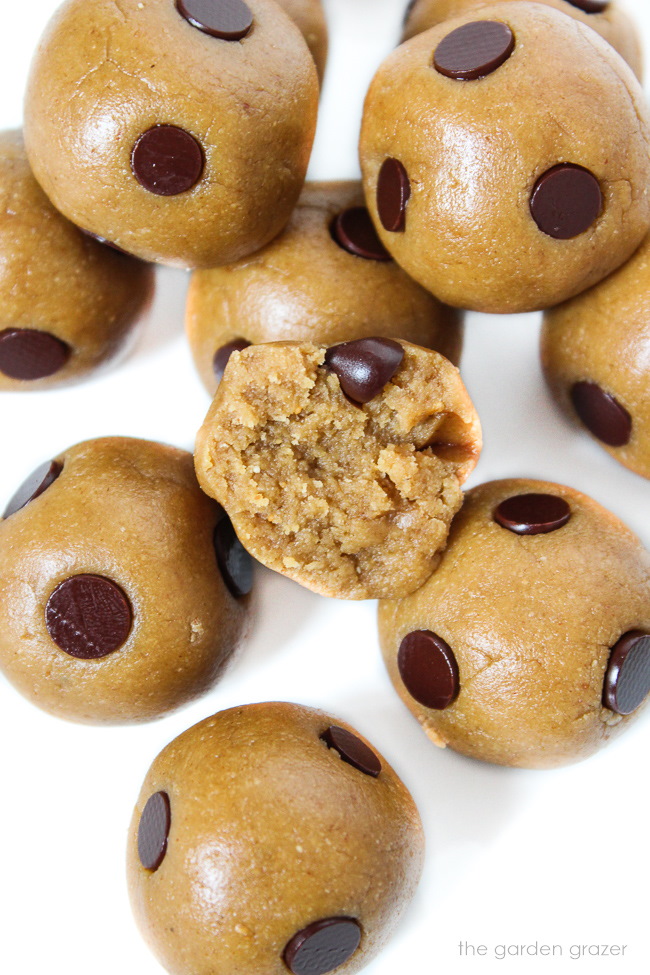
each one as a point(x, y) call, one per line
point(230, 20)
point(353, 230)
point(235, 563)
point(221, 356)
point(533, 514)
point(474, 50)
point(352, 750)
point(602, 414)
point(566, 200)
point(393, 194)
point(167, 160)
point(37, 482)
point(26, 353)
point(428, 668)
point(409, 10)
point(105, 242)
point(590, 6)
point(365, 366)
point(322, 946)
point(627, 681)
point(88, 616)
point(153, 831)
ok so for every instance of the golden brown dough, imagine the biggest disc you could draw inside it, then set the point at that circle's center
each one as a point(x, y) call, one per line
point(522, 186)
point(67, 303)
point(309, 16)
point(530, 623)
point(306, 287)
point(612, 23)
point(179, 146)
point(346, 488)
point(596, 359)
point(115, 602)
point(251, 829)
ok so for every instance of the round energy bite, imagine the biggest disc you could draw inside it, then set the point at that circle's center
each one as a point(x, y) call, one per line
point(507, 212)
point(309, 17)
point(271, 838)
point(608, 19)
point(530, 645)
point(122, 584)
point(327, 278)
point(178, 130)
point(67, 304)
point(334, 463)
point(596, 359)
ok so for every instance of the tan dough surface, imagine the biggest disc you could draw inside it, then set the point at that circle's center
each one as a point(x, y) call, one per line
point(270, 831)
point(603, 337)
point(309, 17)
point(304, 287)
point(131, 511)
point(105, 73)
point(531, 621)
point(613, 24)
point(55, 279)
point(474, 150)
point(349, 501)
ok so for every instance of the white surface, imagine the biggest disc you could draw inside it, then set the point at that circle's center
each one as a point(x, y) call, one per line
point(514, 857)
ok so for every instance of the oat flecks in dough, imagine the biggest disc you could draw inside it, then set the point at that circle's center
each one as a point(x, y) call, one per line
point(350, 501)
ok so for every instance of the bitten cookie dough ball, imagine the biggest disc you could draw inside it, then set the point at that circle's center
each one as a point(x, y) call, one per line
point(596, 359)
point(530, 645)
point(309, 17)
point(178, 130)
point(341, 468)
point(67, 304)
point(271, 839)
point(326, 278)
point(505, 158)
point(122, 584)
point(608, 19)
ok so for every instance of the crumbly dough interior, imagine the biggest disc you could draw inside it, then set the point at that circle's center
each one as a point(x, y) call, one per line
point(351, 501)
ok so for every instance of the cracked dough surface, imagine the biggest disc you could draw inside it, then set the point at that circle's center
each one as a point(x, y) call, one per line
point(531, 621)
point(350, 501)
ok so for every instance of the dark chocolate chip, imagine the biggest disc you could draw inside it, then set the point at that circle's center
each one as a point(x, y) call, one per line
point(37, 482)
point(230, 20)
point(428, 668)
point(235, 563)
point(533, 514)
point(352, 750)
point(105, 242)
point(602, 414)
point(627, 681)
point(26, 353)
point(322, 946)
point(566, 200)
point(474, 50)
point(221, 356)
point(167, 160)
point(393, 194)
point(88, 616)
point(153, 831)
point(365, 366)
point(590, 6)
point(353, 230)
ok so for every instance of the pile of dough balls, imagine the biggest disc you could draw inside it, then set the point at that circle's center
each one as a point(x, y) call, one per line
point(505, 168)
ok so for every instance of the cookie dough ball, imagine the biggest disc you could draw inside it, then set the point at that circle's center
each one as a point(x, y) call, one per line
point(334, 463)
point(505, 158)
point(67, 304)
point(608, 19)
point(271, 839)
point(596, 359)
point(123, 586)
point(309, 17)
point(326, 278)
point(530, 645)
point(178, 130)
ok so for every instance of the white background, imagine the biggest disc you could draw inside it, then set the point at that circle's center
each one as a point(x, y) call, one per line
point(513, 856)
